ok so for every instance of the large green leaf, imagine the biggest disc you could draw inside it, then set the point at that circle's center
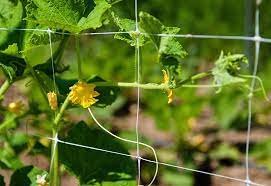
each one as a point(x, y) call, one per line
point(12, 65)
point(26, 176)
point(11, 13)
point(19, 177)
point(95, 167)
point(69, 15)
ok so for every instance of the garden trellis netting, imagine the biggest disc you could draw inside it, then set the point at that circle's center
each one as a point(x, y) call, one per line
point(257, 39)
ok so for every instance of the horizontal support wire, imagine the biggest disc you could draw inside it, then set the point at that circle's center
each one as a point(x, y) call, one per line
point(195, 36)
point(147, 160)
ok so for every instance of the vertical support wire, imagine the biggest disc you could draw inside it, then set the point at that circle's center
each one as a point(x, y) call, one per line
point(252, 85)
point(137, 60)
point(55, 133)
point(52, 58)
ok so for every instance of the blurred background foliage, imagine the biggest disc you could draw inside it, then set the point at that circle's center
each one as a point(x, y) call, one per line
point(200, 129)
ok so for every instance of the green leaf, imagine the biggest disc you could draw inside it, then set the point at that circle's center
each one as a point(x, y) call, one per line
point(128, 25)
point(2, 181)
point(35, 39)
point(9, 158)
point(170, 50)
point(69, 15)
point(95, 167)
point(26, 176)
point(226, 69)
point(45, 81)
point(19, 177)
point(107, 94)
point(32, 175)
point(10, 17)
point(18, 140)
point(95, 18)
point(151, 25)
point(12, 65)
point(9, 122)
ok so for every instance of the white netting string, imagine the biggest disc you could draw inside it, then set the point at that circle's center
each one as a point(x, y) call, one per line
point(257, 39)
point(138, 79)
point(49, 31)
point(255, 68)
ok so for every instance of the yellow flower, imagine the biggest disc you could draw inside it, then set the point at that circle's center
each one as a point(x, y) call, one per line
point(83, 94)
point(16, 107)
point(169, 91)
point(52, 99)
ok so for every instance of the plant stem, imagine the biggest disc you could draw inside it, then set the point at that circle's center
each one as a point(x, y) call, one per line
point(194, 78)
point(4, 89)
point(161, 86)
point(54, 149)
point(61, 112)
point(79, 62)
point(260, 82)
point(133, 85)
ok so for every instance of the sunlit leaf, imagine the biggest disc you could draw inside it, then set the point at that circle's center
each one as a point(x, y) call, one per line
point(72, 15)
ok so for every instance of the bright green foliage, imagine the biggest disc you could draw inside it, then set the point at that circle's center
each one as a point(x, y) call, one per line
point(128, 25)
point(11, 13)
point(25, 55)
point(261, 152)
point(8, 158)
point(73, 15)
point(9, 122)
point(151, 25)
point(170, 51)
point(227, 67)
point(26, 176)
point(95, 167)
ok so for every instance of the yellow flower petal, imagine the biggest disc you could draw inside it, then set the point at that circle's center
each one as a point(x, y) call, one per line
point(169, 91)
point(165, 77)
point(170, 96)
point(83, 94)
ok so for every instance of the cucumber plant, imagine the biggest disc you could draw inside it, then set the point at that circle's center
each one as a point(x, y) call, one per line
point(28, 25)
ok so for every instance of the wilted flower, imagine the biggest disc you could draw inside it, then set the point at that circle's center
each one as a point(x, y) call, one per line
point(83, 94)
point(41, 180)
point(169, 91)
point(16, 107)
point(52, 99)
